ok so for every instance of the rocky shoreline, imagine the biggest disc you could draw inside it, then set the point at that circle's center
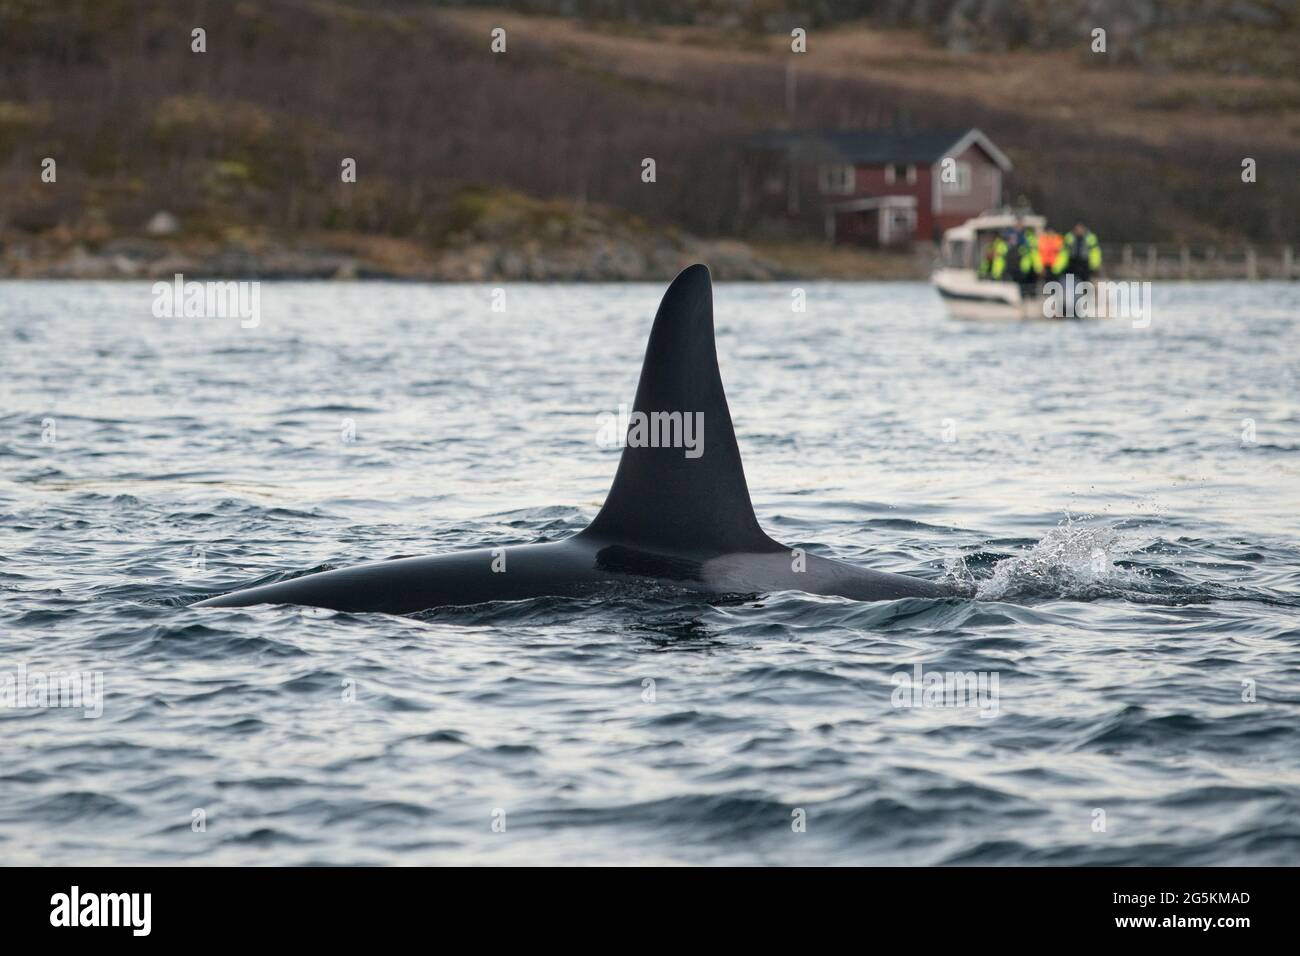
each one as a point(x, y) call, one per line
point(482, 236)
point(611, 260)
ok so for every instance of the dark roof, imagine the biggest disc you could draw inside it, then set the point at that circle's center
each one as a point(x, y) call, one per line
point(871, 147)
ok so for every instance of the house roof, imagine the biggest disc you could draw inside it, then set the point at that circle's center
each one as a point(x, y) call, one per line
point(877, 147)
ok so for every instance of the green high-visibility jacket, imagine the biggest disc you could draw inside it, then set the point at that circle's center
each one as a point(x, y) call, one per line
point(999, 258)
point(1090, 244)
point(1031, 260)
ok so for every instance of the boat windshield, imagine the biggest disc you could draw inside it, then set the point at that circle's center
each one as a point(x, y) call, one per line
point(957, 254)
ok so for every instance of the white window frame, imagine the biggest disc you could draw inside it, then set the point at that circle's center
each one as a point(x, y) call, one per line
point(839, 179)
point(891, 173)
point(888, 228)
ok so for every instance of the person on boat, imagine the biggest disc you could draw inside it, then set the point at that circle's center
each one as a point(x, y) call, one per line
point(1025, 261)
point(1080, 254)
point(994, 261)
point(1049, 247)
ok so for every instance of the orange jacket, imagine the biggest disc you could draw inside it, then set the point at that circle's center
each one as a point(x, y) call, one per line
point(1049, 244)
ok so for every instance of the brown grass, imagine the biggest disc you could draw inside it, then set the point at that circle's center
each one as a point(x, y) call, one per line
point(250, 135)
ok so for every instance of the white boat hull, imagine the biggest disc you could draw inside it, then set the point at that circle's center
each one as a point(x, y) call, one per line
point(967, 296)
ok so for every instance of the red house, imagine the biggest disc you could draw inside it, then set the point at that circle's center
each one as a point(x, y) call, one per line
point(876, 187)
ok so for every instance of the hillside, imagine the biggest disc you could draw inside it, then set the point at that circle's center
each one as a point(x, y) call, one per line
point(242, 144)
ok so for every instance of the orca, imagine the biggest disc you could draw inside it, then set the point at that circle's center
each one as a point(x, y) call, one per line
point(670, 517)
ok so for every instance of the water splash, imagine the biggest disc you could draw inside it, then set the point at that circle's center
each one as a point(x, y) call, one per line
point(1074, 560)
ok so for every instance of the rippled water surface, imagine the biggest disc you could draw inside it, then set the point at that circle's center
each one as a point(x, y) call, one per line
point(1119, 503)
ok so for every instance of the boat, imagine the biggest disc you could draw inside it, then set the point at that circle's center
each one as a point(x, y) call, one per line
point(958, 282)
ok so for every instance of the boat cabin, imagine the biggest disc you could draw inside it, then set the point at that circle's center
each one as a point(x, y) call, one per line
point(963, 245)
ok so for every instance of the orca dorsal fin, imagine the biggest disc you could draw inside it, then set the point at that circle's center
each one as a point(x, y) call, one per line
point(682, 499)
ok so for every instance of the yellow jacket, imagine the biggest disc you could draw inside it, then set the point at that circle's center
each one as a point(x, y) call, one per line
point(1090, 243)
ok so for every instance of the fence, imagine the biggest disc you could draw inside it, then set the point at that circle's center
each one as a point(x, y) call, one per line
point(1134, 260)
